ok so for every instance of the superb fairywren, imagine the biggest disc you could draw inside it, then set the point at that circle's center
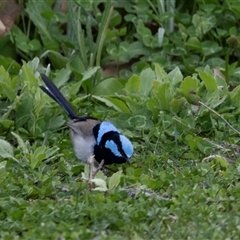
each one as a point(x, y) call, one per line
point(91, 136)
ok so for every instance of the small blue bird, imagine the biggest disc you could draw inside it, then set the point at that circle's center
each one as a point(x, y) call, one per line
point(91, 136)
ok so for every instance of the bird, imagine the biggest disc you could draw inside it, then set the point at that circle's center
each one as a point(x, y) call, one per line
point(91, 136)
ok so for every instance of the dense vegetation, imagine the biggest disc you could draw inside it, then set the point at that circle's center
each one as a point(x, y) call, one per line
point(166, 74)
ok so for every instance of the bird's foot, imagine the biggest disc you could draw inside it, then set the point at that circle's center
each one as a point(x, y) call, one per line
point(93, 170)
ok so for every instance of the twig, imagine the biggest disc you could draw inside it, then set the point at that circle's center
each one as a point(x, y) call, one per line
point(99, 168)
point(210, 109)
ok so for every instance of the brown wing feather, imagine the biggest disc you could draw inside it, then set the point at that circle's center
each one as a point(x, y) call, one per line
point(84, 128)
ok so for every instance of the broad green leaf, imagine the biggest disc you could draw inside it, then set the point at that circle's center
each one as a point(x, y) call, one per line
point(137, 49)
point(235, 95)
point(114, 180)
point(163, 93)
point(189, 87)
point(16, 214)
point(28, 78)
point(221, 160)
point(3, 171)
point(34, 45)
point(153, 106)
point(62, 76)
point(161, 75)
point(37, 157)
point(146, 81)
point(231, 68)
point(24, 110)
point(111, 33)
point(137, 237)
point(21, 144)
point(101, 175)
point(131, 101)
point(146, 35)
point(119, 51)
point(52, 152)
point(166, 121)
point(142, 118)
point(175, 76)
point(6, 150)
point(40, 100)
point(116, 19)
point(12, 107)
point(210, 47)
point(192, 141)
point(6, 123)
point(100, 184)
point(203, 24)
point(34, 64)
point(237, 72)
point(109, 103)
point(85, 174)
point(8, 63)
point(21, 40)
point(209, 81)
point(8, 52)
point(194, 44)
point(178, 51)
point(205, 146)
point(56, 122)
point(108, 86)
point(176, 104)
point(46, 28)
point(193, 98)
point(7, 86)
point(183, 31)
point(89, 73)
point(234, 6)
point(216, 61)
point(215, 99)
point(58, 60)
point(76, 65)
point(121, 121)
point(74, 89)
point(133, 84)
point(233, 31)
point(119, 104)
point(138, 121)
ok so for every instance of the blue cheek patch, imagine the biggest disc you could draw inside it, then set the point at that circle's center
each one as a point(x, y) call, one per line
point(110, 144)
point(127, 146)
point(104, 128)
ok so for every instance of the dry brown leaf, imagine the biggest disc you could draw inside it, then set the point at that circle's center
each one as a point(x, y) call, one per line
point(113, 68)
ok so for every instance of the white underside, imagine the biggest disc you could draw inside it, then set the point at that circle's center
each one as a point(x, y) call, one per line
point(83, 147)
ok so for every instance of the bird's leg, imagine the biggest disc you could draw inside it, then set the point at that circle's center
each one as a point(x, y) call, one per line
point(91, 171)
point(98, 168)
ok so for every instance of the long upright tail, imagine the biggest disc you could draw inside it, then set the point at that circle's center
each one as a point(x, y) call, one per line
point(52, 91)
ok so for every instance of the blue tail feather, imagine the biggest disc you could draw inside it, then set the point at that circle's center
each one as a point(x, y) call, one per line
point(52, 91)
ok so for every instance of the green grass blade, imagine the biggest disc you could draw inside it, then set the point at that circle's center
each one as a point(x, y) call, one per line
point(102, 31)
